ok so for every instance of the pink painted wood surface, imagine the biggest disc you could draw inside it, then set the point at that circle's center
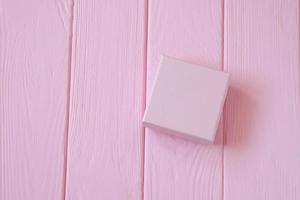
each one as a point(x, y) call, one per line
point(177, 168)
point(107, 97)
point(105, 157)
point(262, 154)
point(34, 49)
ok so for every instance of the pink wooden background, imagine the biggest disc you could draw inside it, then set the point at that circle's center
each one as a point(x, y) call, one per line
point(74, 80)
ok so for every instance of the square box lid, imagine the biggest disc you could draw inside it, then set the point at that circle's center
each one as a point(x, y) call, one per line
point(187, 100)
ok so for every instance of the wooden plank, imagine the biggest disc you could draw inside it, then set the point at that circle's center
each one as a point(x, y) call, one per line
point(262, 155)
point(177, 168)
point(105, 159)
point(34, 49)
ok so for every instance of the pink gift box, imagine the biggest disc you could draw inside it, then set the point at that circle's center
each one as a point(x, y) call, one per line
point(187, 100)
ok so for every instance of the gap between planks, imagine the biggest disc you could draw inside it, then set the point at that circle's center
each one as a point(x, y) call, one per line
point(144, 95)
point(67, 122)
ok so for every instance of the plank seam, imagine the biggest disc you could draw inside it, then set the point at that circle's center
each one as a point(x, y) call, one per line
point(67, 123)
point(144, 94)
point(224, 110)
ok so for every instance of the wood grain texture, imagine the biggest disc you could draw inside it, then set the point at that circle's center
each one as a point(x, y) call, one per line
point(262, 154)
point(105, 156)
point(177, 168)
point(34, 47)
